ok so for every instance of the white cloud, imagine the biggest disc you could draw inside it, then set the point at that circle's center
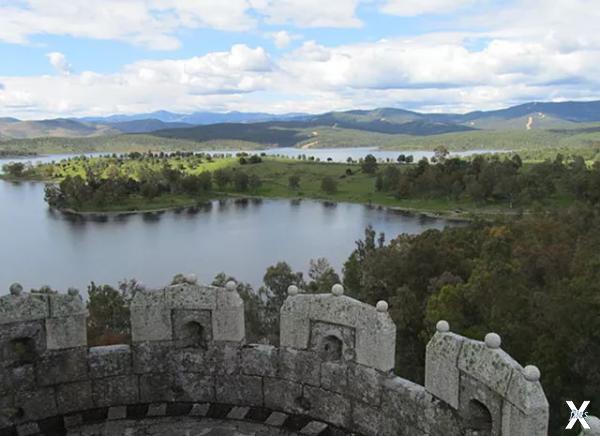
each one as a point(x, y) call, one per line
point(525, 53)
point(59, 62)
point(282, 38)
point(150, 23)
point(155, 23)
point(309, 13)
point(409, 8)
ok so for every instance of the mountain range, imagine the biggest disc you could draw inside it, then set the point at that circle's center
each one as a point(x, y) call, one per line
point(293, 129)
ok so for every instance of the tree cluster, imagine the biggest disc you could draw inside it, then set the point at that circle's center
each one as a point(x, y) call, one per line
point(534, 280)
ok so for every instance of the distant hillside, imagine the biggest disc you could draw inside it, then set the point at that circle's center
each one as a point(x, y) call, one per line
point(145, 126)
point(197, 118)
point(266, 134)
point(15, 129)
point(295, 129)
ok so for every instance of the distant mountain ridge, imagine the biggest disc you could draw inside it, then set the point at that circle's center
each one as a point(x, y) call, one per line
point(295, 128)
point(197, 118)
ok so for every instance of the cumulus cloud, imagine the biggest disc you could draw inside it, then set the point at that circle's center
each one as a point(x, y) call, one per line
point(282, 38)
point(309, 13)
point(151, 23)
point(409, 8)
point(155, 23)
point(525, 53)
point(59, 62)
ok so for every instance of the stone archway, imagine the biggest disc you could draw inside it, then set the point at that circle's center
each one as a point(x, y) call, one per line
point(479, 419)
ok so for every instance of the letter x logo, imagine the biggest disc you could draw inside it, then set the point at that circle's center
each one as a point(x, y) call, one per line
point(578, 415)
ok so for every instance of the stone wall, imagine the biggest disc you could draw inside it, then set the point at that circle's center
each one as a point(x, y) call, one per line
point(331, 374)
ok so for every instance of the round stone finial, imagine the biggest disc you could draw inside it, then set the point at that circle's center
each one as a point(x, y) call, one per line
point(231, 285)
point(337, 290)
point(442, 326)
point(292, 290)
point(192, 279)
point(532, 373)
point(73, 292)
point(492, 340)
point(382, 306)
point(16, 289)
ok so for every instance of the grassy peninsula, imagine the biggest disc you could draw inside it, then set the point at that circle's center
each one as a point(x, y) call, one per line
point(447, 187)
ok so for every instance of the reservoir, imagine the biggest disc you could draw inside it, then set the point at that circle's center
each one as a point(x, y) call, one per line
point(40, 246)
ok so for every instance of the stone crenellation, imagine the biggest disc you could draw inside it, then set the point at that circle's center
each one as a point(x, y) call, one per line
point(332, 373)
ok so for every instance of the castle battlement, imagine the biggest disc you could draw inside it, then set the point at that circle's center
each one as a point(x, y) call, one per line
point(331, 374)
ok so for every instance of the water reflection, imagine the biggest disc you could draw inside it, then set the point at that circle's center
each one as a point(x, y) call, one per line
point(241, 237)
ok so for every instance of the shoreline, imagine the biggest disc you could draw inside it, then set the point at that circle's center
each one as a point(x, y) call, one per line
point(455, 217)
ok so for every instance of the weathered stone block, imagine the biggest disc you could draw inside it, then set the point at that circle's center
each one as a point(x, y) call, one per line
point(156, 387)
point(22, 342)
point(28, 429)
point(151, 357)
point(186, 387)
point(364, 384)
point(192, 327)
point(67, 332)
point(224, 358)
point(74, 397)
point(110, 360)
point(441, 370)
point(514, 421)
point(20, 378)
point(194, 360)
point(366, 420)
point(259, 360)
point(283, 395)
point(408, 409)
point(492, 367)
point(150, 318)
point(525, 409)
point(229, 325)
point(375, 332)
point(328, 406)
point(190, 387)
point(62, 366)
point(239, 390)
point(24, 307)
point(8, 411)
point(300, 366)
point(334, 376)
point(65, 305)
point(472, 390)
point(36, 405)
point(115, 391)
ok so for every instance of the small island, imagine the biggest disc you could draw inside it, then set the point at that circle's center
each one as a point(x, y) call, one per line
point(442, 186)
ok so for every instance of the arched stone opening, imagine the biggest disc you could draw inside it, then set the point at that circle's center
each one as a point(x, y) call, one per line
point(21, 351)
point(479, 419)
point(193, 335)
point(331, 348)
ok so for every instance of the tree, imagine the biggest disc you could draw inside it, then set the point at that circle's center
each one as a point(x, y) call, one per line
point(241, 181)
point(379, 182)
point(440, 153)
point(294, 181)
point(322, 276)
point(15, 169)
point(222, 178)
point(328, 185)
point(254, 182)
point(369, 164)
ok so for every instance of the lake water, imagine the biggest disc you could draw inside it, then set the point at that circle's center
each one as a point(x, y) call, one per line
point(40, 246)
point(335, 154)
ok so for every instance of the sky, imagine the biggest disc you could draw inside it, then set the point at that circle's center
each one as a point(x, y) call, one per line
point(74, 58)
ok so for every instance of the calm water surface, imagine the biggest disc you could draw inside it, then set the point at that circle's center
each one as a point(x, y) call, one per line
point(40, 246)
